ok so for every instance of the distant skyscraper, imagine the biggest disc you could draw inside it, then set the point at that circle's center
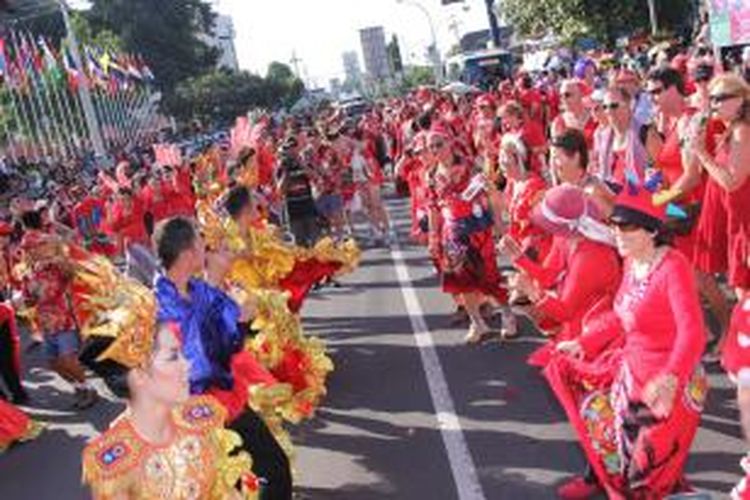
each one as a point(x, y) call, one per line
point(375, 52)
point(351, 67)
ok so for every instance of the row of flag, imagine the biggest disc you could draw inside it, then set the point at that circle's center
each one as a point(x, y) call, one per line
point(24, 61)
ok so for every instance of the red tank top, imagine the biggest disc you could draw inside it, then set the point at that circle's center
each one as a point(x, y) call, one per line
point(669, 161)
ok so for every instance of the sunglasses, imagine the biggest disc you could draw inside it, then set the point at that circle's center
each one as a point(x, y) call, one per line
point(720, 98)
point(566, 95)
point(436, 146)
point(610, 106)
point(624, 227)
point(656, 91)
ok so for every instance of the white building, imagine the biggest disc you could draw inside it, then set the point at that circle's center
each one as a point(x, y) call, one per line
point(223, 39)
point(375, 52)
point(352, 69)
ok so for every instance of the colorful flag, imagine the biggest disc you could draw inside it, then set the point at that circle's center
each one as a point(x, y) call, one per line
point(50, 61)
point(96, 74)
point(75, 76)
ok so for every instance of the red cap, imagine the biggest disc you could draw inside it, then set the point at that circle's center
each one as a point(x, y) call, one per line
point(735, 356)
point(5, 229)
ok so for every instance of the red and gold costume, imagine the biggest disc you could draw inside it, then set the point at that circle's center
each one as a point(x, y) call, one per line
point(15, 426)
point(198, 462)
point(201, 460)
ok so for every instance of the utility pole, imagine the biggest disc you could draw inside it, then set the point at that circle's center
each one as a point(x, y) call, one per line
point(83, 90)
point(494, 26)
point(652, 16)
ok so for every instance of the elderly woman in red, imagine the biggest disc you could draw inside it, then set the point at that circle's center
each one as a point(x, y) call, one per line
point(579, 277)
point(460, 240)
point(637, 419)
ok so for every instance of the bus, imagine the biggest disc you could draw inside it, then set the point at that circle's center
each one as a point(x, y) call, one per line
point(483, 69)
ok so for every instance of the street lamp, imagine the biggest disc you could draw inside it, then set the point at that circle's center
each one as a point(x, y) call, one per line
point(435, 52)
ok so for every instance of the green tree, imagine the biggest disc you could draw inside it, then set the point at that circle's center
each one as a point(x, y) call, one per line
point(104, 38)
point(167, 33)
point(282, 84)
point(603, 20)
point(416, 76)
point(222, 95)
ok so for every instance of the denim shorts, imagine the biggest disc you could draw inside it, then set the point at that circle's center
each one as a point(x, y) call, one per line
point(61, 344)
point(329, 204)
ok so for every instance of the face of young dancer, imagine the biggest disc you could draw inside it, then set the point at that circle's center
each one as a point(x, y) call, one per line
point(165, 380)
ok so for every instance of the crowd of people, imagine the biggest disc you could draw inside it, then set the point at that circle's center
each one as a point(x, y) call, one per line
point(619, 195)
point(615, 194)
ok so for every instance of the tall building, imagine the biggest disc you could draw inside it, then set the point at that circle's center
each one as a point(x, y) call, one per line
point(375, 52)
point(351, 67)
point(222, 38)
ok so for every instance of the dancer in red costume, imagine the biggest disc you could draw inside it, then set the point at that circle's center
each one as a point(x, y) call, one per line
point(636, 413)
point(460, 239)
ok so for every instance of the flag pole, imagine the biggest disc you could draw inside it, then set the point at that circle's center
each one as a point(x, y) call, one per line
point(11, 149)
point(83, 92)
point(38, 125)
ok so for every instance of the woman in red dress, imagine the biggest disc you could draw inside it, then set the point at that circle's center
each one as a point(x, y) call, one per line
point(637, 413)
point(461, 241)
point(684, 177)
point(729, 169)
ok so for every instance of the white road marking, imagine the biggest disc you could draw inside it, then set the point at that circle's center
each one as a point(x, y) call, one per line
point(462, 465)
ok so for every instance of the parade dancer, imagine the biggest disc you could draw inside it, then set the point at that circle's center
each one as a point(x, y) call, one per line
point(213, 343)
point(166, 444)
point(47, 287)
point(461, 240)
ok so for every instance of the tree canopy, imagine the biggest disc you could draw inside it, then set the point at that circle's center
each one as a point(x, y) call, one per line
point(603, 20)
point(168, 33)
point(223, 95)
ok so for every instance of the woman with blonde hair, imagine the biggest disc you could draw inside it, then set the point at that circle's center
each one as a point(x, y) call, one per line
point(728, 168)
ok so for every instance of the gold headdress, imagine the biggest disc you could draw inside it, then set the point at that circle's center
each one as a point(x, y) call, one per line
point(118, 307)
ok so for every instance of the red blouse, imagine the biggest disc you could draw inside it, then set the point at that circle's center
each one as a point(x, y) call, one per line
point(585, 276)
point(662, 322)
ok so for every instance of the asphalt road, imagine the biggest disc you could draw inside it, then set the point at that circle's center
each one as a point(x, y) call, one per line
point(378, 434)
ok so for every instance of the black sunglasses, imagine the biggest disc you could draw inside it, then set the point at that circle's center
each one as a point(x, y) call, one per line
point(625, 227)
point(611, 106)
point(656, 91)
point(719, 98)
point(566, 95)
